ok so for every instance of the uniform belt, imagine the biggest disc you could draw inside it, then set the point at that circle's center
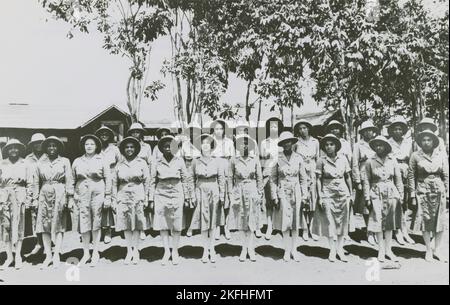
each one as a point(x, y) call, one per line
point(206, 179)
point(169, 180)
point(51, 182)
point(402, 161)
point(429, 177)
point(333, 178)
point(247, 180)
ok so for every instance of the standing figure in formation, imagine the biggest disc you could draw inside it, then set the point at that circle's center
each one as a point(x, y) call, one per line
point(130, 196)
point(137, 131)
point(111, 156)
point(35, 146)
point(430, 125)
point(223, 153)
point(337, 129)
point(15, 196)
point(383, 191)
point(269, 157)
point(209, 195)
point(161, 132)
point(169, 194)
point(246, 193)
point(53, 190)
point(309, 148)
point(189, 152)
point(243, 128)
point(428, 183)
point(401, 151)
point(92, 193)
point(334, 186)
point(289, 187)
point(361, 153)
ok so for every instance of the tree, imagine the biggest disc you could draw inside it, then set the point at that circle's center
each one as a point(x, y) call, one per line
point(128, 27)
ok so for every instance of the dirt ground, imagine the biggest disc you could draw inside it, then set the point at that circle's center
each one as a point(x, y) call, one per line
point(313, 269)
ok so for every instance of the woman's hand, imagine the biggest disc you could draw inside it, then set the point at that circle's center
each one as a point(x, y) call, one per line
point(276, 203)
point(107, 203)
point(305, 205)
point(187, 203)
point(369, 204)
point(359, 187)
point(320, 203)
point(71, 203)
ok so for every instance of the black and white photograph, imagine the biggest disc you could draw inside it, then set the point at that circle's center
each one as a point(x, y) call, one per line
point(224, 148)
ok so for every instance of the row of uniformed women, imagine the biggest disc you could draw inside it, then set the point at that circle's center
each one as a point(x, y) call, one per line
point(224, 186)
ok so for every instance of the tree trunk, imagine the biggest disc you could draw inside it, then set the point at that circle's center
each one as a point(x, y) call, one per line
point(247, 98)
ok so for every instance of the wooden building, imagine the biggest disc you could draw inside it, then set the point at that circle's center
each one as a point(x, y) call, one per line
point(67, 122)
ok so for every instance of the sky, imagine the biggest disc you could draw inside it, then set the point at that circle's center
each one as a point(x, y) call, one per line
point(39, 65)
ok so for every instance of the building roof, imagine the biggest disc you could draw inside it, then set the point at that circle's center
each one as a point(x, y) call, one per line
point(50, 116)
point(316, 118)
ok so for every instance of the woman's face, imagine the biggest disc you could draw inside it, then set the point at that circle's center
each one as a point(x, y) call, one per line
point(303, 130)
point(287, 146)
point(37, 147)
point(427, 143)
point(13, 152)
point(218, 130)
point(336, 132)
point(166, 148)
point(241, 131)
point(129, 150)
point(243, 146)
point(206, 146)
point(90, 146)
point(273, 129)
point(137, 134)
point(369, 134)
point(52, 149)
point(330, 147)
point(397, 132)
point(104, 136)
point(380, 149)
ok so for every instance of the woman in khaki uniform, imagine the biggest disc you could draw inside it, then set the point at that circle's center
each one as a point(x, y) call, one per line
point(334, 187)
point(309, 148)
point(428, 183)
point(361, 153)
point(401, 151)
point(53, 190)
point(383, 192)
point(269, 156)
point(209, 195)
point(15, 196)
point(35, 148)
point(289, 187)
point(246, 193)
point(189, 153)
point(137, 131)
point(92, 179)
point(223, 153)
point(130, 188)
point(169, 194)
point(111, 155)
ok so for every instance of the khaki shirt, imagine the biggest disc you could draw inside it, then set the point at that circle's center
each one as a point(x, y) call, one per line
point(292, 171)
point(131, 179)
point(422, 166)
point(95, 169)
point(377, 170)
point(175, 171)
point(361, 153)
point(56, 171)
